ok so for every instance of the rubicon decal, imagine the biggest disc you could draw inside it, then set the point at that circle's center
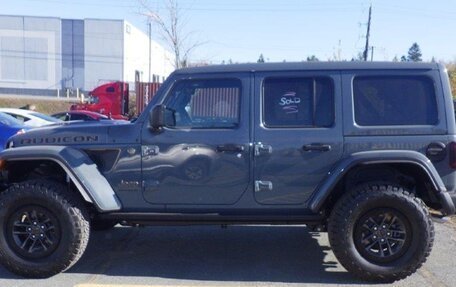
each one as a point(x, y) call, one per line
point(64, 139)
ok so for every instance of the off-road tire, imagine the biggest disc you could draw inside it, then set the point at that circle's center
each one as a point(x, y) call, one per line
point(348, 214)
point(69, 214)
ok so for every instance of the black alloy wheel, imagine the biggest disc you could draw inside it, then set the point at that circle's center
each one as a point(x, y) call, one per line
point(33, 232)
point(382, 235)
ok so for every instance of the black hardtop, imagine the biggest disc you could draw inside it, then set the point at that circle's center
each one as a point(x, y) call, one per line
point(309, 66)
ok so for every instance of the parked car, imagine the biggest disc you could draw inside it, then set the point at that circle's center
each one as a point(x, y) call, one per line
point(9, 126)
point(80, 116)
point(30, 118)
point(360, 150)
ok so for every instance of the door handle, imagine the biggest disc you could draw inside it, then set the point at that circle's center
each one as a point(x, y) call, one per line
point(316, 147)
point(230, 148)
point(262, 149)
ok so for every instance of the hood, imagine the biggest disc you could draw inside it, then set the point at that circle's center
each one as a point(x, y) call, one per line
point(67, 133)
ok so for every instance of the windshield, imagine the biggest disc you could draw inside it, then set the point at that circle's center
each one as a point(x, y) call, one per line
point(8, 120)
point(46, 117)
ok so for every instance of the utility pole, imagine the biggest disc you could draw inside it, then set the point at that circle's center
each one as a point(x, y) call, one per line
point(150, 50)
point(372, 53)
point(366, 49)
point(339, 50)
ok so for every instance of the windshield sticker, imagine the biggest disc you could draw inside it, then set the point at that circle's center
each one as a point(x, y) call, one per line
point(289, 102)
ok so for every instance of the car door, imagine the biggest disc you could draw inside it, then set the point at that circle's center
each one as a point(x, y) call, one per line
point(202, 156)
point(297, 134)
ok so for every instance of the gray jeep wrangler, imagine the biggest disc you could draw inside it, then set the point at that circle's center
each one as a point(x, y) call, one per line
point(360, 150)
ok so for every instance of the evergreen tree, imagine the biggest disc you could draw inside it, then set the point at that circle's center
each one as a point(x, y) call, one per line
point(403, 59)
point(261, 59)
point(414, 53)
point(312, 58)
point(395, 59)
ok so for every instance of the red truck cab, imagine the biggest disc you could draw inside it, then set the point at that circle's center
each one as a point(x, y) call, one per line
point(110, 99)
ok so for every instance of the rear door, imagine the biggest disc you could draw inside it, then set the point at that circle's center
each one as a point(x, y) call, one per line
point(297, 134)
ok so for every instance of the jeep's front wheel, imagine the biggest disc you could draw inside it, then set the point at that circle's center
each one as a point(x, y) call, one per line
point(380, 232)
point(45, 228)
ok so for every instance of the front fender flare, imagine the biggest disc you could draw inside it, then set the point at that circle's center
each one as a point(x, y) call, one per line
point(92, 185)
point(383, 156)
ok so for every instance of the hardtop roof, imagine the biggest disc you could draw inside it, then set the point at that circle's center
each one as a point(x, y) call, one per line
point(308, 66)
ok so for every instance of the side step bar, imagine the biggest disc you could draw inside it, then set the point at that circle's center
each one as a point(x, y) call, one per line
point(209, 219)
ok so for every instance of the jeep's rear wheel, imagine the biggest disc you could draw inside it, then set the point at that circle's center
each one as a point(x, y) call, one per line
point(45, 228)
point(380, 232)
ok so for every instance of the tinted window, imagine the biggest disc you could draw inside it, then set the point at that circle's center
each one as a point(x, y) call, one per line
point(404, 100)
point(8, 120)
point(205, 103)
point(21, 119)
point(45, 117)
point(61, 116)
point(298, 102)
point(80, 117)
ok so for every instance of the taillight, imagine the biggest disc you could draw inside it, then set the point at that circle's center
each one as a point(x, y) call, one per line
point(453, 155)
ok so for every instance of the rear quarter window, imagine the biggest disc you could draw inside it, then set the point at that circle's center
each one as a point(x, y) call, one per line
point(394, 101)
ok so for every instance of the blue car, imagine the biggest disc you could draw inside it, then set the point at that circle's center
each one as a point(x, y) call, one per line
point(9, 126)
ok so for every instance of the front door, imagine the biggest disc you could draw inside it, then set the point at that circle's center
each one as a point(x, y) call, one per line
point(297, 135)
point(202, 156)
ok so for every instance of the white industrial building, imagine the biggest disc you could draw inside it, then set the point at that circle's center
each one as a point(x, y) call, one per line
point(40, 55)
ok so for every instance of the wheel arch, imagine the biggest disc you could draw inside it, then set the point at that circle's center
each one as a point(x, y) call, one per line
point(408, 166)
point(73, 163)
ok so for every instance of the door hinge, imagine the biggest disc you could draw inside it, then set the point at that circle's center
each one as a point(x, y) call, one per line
point(262, 185)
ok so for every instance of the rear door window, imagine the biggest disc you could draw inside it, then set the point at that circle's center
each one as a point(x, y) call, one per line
point(298, 102)
point(394, 101)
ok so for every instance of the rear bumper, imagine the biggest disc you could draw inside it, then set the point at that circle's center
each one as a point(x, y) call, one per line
point(448, 201)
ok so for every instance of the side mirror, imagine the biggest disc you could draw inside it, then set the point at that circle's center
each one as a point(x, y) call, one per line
point(157, 118)
point(160, 116)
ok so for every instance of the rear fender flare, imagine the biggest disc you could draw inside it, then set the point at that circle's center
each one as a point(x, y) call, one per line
point(324, 190)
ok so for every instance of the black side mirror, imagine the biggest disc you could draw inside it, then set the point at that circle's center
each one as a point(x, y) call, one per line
point(157, 118)
point(161, 116)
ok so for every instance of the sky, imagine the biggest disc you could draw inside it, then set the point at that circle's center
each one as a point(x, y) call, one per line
point(285, 30)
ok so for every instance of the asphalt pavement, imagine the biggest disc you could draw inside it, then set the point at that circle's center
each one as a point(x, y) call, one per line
point(235, 256)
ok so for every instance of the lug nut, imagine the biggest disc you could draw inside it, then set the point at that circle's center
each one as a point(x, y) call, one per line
point(384, 226)
point(375, 228)
point(382, 240)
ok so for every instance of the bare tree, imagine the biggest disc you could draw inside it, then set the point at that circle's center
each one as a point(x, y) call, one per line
point(171, 28)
